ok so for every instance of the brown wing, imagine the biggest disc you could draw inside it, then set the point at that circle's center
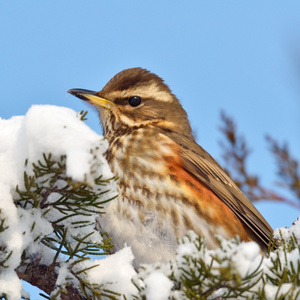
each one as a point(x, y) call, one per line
point(205, 169)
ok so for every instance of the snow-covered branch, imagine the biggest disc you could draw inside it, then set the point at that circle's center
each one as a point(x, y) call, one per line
point(54, 184)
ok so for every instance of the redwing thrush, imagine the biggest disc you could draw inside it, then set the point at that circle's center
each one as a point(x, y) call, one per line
point(168, 184)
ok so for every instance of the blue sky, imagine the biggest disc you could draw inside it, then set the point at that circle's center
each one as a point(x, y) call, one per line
point(239, 56)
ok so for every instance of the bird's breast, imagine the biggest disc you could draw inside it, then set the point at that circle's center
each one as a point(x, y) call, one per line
point(158, 199)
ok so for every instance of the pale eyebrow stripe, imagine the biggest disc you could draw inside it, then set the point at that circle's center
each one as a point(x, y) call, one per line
point(150, 91)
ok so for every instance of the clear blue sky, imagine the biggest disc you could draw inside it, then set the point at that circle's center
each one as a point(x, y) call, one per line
point(240, 56)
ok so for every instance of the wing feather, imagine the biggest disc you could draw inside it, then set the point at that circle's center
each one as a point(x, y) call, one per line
point(204, 168)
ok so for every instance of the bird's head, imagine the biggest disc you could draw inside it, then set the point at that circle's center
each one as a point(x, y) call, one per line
point(136, 98)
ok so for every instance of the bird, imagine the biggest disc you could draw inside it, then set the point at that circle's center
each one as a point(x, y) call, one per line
point(167, 184)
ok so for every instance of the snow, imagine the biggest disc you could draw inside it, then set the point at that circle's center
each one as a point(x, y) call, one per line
point(113, 273)
point(158, 286)
point(153, 281)
point(44, 129)
point(273, 292)
point(246, 257)
point(10, 285)
point(286, 233)
point(60, 131)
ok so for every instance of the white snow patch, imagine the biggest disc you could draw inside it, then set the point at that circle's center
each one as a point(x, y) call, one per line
point(158, 286)
point(247, 257)
point(286, 233)
point(113, 273)
point(10, 285)
point(275, 292)
point(44, 129)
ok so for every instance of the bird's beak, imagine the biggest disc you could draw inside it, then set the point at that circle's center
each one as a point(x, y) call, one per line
point(91, 97)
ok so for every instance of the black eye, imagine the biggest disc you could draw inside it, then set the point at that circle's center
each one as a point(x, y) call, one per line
point(134, 101)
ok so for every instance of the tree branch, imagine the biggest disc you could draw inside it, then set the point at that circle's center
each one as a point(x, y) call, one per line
point(235, 154)
point(45, 277)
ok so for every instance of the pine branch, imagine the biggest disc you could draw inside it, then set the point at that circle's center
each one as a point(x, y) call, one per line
point(234, 271)
point(71, 208)
point(42, 276)
point(236, 153)
point(288, 167)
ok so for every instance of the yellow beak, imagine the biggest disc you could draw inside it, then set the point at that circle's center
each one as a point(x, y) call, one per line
point(91, 97)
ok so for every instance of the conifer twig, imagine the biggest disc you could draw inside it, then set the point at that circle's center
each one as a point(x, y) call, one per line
point(60, 199)
point(288, 167)
point(235, 154)
point(45, 277)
